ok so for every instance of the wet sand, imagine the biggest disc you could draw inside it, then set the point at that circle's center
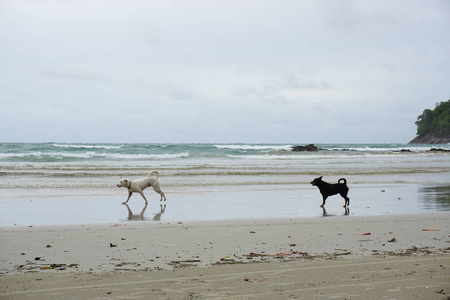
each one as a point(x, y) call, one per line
point(91, 206)
point(347, 257)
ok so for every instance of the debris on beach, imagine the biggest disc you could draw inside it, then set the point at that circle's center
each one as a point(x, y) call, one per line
point(134, 266)
point(254, 280)
point(253, 257)
point(412, 251)
point(287, 256)
point(227, 260)
point(32, 266)
point(178, 264)
point(342, 252)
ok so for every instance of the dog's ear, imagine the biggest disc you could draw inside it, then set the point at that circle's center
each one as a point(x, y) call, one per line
point(320, 177)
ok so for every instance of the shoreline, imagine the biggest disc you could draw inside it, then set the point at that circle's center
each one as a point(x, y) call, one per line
point(220, 203)
point(118, 258)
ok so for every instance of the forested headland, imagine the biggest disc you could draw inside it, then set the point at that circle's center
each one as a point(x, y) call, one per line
point(433, 126)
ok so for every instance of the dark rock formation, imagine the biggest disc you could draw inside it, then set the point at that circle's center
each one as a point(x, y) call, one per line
point(438, 150)
point(431, 138)
point(403, 150)
point(310, 147)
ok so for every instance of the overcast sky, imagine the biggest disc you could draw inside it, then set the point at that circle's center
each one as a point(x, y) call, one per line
point(266, 71)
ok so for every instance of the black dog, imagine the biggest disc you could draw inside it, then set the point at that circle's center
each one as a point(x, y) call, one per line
point(328, 189)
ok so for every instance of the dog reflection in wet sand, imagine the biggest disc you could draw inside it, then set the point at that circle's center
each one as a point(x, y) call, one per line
point(330, 189)
point(157, 216)
point(325, 214)
point(139, 185)
point(138, 217)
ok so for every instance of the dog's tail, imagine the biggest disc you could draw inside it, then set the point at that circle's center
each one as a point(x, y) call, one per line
point(343, 179)
point(153, 172)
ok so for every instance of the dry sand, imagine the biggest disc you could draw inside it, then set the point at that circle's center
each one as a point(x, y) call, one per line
point(347, 257)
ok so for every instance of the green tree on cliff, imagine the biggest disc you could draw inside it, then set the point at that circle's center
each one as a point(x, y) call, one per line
point(435, 121)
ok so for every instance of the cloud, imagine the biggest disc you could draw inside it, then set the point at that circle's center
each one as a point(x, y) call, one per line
point(208, 71)
point(73, 74)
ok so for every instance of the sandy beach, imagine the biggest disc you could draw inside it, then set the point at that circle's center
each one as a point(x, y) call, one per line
point(342, 257)
point(240, 222)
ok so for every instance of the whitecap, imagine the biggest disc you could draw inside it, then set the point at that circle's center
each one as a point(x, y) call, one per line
point(81, 146)
point(255, 147)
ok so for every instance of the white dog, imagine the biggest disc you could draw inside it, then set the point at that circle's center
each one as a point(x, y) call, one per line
point(139, 185)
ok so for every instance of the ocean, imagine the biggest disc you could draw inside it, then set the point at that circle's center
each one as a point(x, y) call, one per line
point(55, 172)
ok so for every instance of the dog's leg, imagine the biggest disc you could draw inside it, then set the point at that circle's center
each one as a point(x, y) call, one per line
point(157, 189)
point(143, 196)
point(162, 195)
point(347, 199)
point(129, 196)
point(324, 198)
